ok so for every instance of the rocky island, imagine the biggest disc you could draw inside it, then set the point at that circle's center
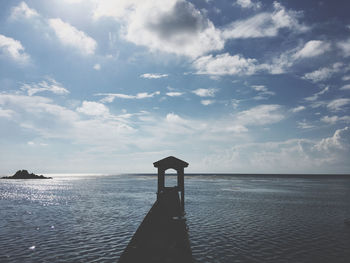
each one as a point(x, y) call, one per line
point(23, 174)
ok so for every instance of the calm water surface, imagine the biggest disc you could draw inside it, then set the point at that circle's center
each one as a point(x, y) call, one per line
point(230, 218)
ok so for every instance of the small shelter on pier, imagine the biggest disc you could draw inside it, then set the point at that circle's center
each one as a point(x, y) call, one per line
point(178, 165)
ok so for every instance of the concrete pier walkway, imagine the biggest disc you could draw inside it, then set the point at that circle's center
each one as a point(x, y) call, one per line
point(162, 236)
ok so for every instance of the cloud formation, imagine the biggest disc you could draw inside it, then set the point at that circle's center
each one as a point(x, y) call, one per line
point(93, 109)
point(263, 92)
point(23, 11)
point(337, 141)
point(205, 92)
point(298, 109)
point(207, 102)
point(338, 104)
point(345, 47)
point(70, 36)
point(225, 64)
point(174, 94)
point(312, 48)
point(153, 76)
point(109, 97)
point(248, 4)
point(46, 85)
point(173, 26)
point(345, 87)
point(260, 115)
point(265, 24)
point(97, 67)
point(13, 49)
point(335, 119)
point(298, 155)
point(323, 74)
point(6, 113)
point(315, 96)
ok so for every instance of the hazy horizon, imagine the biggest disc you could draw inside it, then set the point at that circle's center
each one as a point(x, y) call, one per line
point(186, 174)
point(242, 86)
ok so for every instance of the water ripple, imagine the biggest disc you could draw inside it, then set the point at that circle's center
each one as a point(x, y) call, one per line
point(231, 219)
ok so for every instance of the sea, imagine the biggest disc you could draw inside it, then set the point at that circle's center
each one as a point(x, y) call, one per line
point(231, 218)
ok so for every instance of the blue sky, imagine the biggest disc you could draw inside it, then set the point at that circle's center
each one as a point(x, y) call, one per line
point(229, 86)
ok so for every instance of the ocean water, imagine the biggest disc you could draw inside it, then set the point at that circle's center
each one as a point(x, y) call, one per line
point(234, 218)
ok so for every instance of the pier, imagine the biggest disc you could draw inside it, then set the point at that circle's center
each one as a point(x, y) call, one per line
point(162, 236)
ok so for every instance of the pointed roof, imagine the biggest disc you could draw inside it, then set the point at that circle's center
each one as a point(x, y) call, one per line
point(170, 162)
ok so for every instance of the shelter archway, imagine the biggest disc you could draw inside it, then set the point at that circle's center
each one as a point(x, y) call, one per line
point(178, 165)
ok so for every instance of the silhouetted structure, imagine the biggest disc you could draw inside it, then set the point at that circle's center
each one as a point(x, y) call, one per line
point(171, 162)
point(23, 174)
point(162, 236)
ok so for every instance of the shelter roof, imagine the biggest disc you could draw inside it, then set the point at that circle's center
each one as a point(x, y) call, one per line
point(170, 162)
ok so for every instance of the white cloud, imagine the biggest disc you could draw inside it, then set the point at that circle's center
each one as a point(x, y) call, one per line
point(335, 119)
point(317, 95)
point(23, 11)
point(145, 95)
point(174, 118)
point(153, 76)
point(173, 26)
point(225, 64)
point(334, 142)
point(205, 92)
point(304, 125)
point(281, 63)
point(6, 113)
point(45, 85)
point(346, 77)
point(93, 108)
point(35, 106)
point(263, 92)
point(259, 87)
point(31, 143)
point(345, 47)
point(324, 155)
point(51, 121)
point(265, 24)
point(260, 115)
point(174, 94)
point(207, 102)
point(70, 36)
point(323, 73)
point(111, 96)
point(73, 1)
point(297, 109)
point(13, 49)
point(115, 9)
point(345, 87)
point(312, 48)
point(97, 67)
point(337, 104)
point(248, 4)
point(92, 133)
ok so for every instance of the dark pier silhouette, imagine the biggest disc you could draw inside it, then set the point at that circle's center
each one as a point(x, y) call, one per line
point(162, 236)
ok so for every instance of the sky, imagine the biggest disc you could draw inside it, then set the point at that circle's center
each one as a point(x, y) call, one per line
point(240, 86)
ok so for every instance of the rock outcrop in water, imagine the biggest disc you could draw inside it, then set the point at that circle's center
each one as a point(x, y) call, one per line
point(23, 174)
